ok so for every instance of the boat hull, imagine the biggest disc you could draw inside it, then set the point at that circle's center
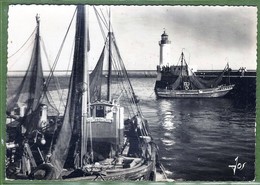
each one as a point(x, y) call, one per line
point(146, 171)
point(200, 93)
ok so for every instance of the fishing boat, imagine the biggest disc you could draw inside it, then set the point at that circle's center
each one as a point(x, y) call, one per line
point(103, 134)
point(31, 115)
point(181, 82)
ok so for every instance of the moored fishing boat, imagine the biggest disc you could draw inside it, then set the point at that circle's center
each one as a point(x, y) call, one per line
point(219, 91)
point(103, 134)
point(31, 115)
point(180, 81)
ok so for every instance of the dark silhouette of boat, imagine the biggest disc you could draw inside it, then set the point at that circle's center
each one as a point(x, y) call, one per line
point(94, 139)
point(184, 83)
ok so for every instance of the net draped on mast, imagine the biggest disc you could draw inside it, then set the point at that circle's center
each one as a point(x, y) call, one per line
point(30, 91)
point(73, 111)
point(195, 81)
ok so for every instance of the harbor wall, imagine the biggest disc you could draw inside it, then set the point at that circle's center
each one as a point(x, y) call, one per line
point(245, 84)
point(145, 73)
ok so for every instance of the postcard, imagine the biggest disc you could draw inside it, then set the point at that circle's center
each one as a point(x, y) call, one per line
point(131, 93)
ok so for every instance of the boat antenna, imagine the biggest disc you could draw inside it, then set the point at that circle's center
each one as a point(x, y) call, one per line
point(109, 59)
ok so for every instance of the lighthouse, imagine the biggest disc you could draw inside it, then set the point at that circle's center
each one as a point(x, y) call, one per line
point(164, 44)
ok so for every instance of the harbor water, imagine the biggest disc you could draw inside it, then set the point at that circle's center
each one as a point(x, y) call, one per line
point(198, 139)
point(201, 139)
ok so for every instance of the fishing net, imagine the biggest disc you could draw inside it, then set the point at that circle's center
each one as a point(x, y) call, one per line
point(96, 78)
point(73, 111)
point(26, 93)
point(195, 82)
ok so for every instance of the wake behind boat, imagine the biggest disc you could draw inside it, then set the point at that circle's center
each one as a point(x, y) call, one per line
point(101, 136)
point(181, 82)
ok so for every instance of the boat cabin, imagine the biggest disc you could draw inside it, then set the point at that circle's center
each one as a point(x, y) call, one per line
point(102, 110)
point(107, 124)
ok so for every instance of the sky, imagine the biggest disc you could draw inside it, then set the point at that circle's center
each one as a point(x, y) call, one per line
point(210, 36)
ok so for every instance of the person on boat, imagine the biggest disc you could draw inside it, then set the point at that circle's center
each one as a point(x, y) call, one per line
point(133, 134)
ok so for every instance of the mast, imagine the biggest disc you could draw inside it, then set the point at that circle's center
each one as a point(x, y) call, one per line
point(73, 135)
point(181, 70)
point(36, 67)
point(109, 60)
point(84, 96)
point(37, 33)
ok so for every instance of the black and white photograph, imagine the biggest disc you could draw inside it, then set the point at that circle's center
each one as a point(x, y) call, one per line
point(131, 93)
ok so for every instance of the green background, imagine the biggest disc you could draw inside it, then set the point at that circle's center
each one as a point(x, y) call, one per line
point(3, 69)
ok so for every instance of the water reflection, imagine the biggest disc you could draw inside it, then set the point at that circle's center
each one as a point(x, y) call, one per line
point(168, 123)
point(207, 134)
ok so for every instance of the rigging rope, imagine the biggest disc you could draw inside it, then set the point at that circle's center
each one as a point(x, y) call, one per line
point(127, 77)
point(99, 18)
point(131, 90)
point(56, 81)
point(59, 52)
point(24, 43)
point(66, 75)
point(99, 23)
point(29, 45)
point(118, 65)
point(103, 19)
